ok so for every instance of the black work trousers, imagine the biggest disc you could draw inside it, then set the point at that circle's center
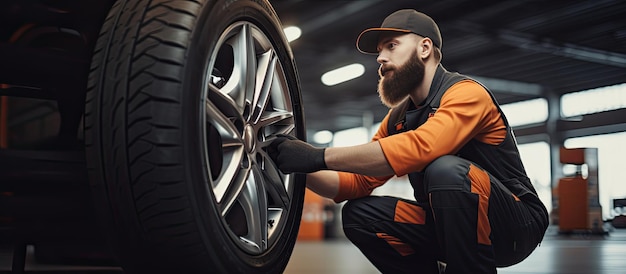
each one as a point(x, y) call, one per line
point(472, 223)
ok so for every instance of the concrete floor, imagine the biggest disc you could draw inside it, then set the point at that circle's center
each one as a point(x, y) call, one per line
point(558, 254)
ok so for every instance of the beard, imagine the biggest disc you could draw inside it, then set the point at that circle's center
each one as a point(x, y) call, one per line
point(393, 89)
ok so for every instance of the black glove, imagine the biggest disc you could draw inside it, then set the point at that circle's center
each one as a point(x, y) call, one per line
point(293, 155)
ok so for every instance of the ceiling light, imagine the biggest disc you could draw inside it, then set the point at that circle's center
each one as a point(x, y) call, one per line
point(342, 74)
point(292, 33)
point(323, 137)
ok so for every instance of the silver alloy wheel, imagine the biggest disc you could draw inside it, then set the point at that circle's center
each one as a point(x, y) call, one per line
point(248, 103)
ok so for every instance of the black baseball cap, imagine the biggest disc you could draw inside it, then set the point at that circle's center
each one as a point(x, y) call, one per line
point(403, 21)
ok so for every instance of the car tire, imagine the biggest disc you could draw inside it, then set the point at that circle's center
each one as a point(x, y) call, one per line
point(183, 101)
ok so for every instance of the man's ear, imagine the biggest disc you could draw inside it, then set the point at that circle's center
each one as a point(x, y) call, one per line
point(427, 48)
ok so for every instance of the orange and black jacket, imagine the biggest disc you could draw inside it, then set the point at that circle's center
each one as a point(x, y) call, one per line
point(459, 117)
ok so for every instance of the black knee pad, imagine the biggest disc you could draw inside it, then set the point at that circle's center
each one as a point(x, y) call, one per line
point(447, 173)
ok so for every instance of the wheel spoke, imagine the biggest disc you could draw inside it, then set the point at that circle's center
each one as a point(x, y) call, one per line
point(232, 189)
point(275, 181)
point(241, 83)
point(224, 125)
point(265, 78)
point(253, 199)
point(232, 149)
point(279, 118)
point(276, 122)
point(223, 102)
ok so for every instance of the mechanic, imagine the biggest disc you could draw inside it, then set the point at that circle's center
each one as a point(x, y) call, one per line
point(475, 209)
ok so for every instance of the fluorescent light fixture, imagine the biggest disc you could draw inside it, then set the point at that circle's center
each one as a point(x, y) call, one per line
point(342, 74)
point(323, 137)
point(351, 137)
point(292, 33)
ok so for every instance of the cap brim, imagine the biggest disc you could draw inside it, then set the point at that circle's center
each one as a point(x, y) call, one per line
point(368, 39)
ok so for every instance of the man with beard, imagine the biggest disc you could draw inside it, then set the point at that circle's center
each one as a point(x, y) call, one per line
point(475, 208)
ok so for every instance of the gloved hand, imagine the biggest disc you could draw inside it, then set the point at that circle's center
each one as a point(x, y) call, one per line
point(293, 155)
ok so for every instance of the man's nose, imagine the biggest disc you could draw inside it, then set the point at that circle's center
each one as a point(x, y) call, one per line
point(381, 59)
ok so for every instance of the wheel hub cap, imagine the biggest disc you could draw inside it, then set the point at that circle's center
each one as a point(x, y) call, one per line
point(248, 138)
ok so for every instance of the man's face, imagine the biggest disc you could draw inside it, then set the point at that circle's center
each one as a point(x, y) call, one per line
point(398, 78)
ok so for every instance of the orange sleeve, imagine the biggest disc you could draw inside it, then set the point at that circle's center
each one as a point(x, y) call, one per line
point(466, 111)
point(352, 185)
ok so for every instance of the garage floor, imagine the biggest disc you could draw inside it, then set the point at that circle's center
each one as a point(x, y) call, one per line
point(575, 254)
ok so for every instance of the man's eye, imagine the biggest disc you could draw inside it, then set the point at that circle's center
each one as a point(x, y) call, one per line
point(391, 45)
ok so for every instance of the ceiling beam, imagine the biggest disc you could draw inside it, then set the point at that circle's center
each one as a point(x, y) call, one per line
point(328, 18)
point(569, 50)
point(544, 45)
point(510, 87)
point(589, 124)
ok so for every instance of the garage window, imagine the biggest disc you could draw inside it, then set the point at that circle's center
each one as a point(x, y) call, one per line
point(593, 100)
point(526, 112)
